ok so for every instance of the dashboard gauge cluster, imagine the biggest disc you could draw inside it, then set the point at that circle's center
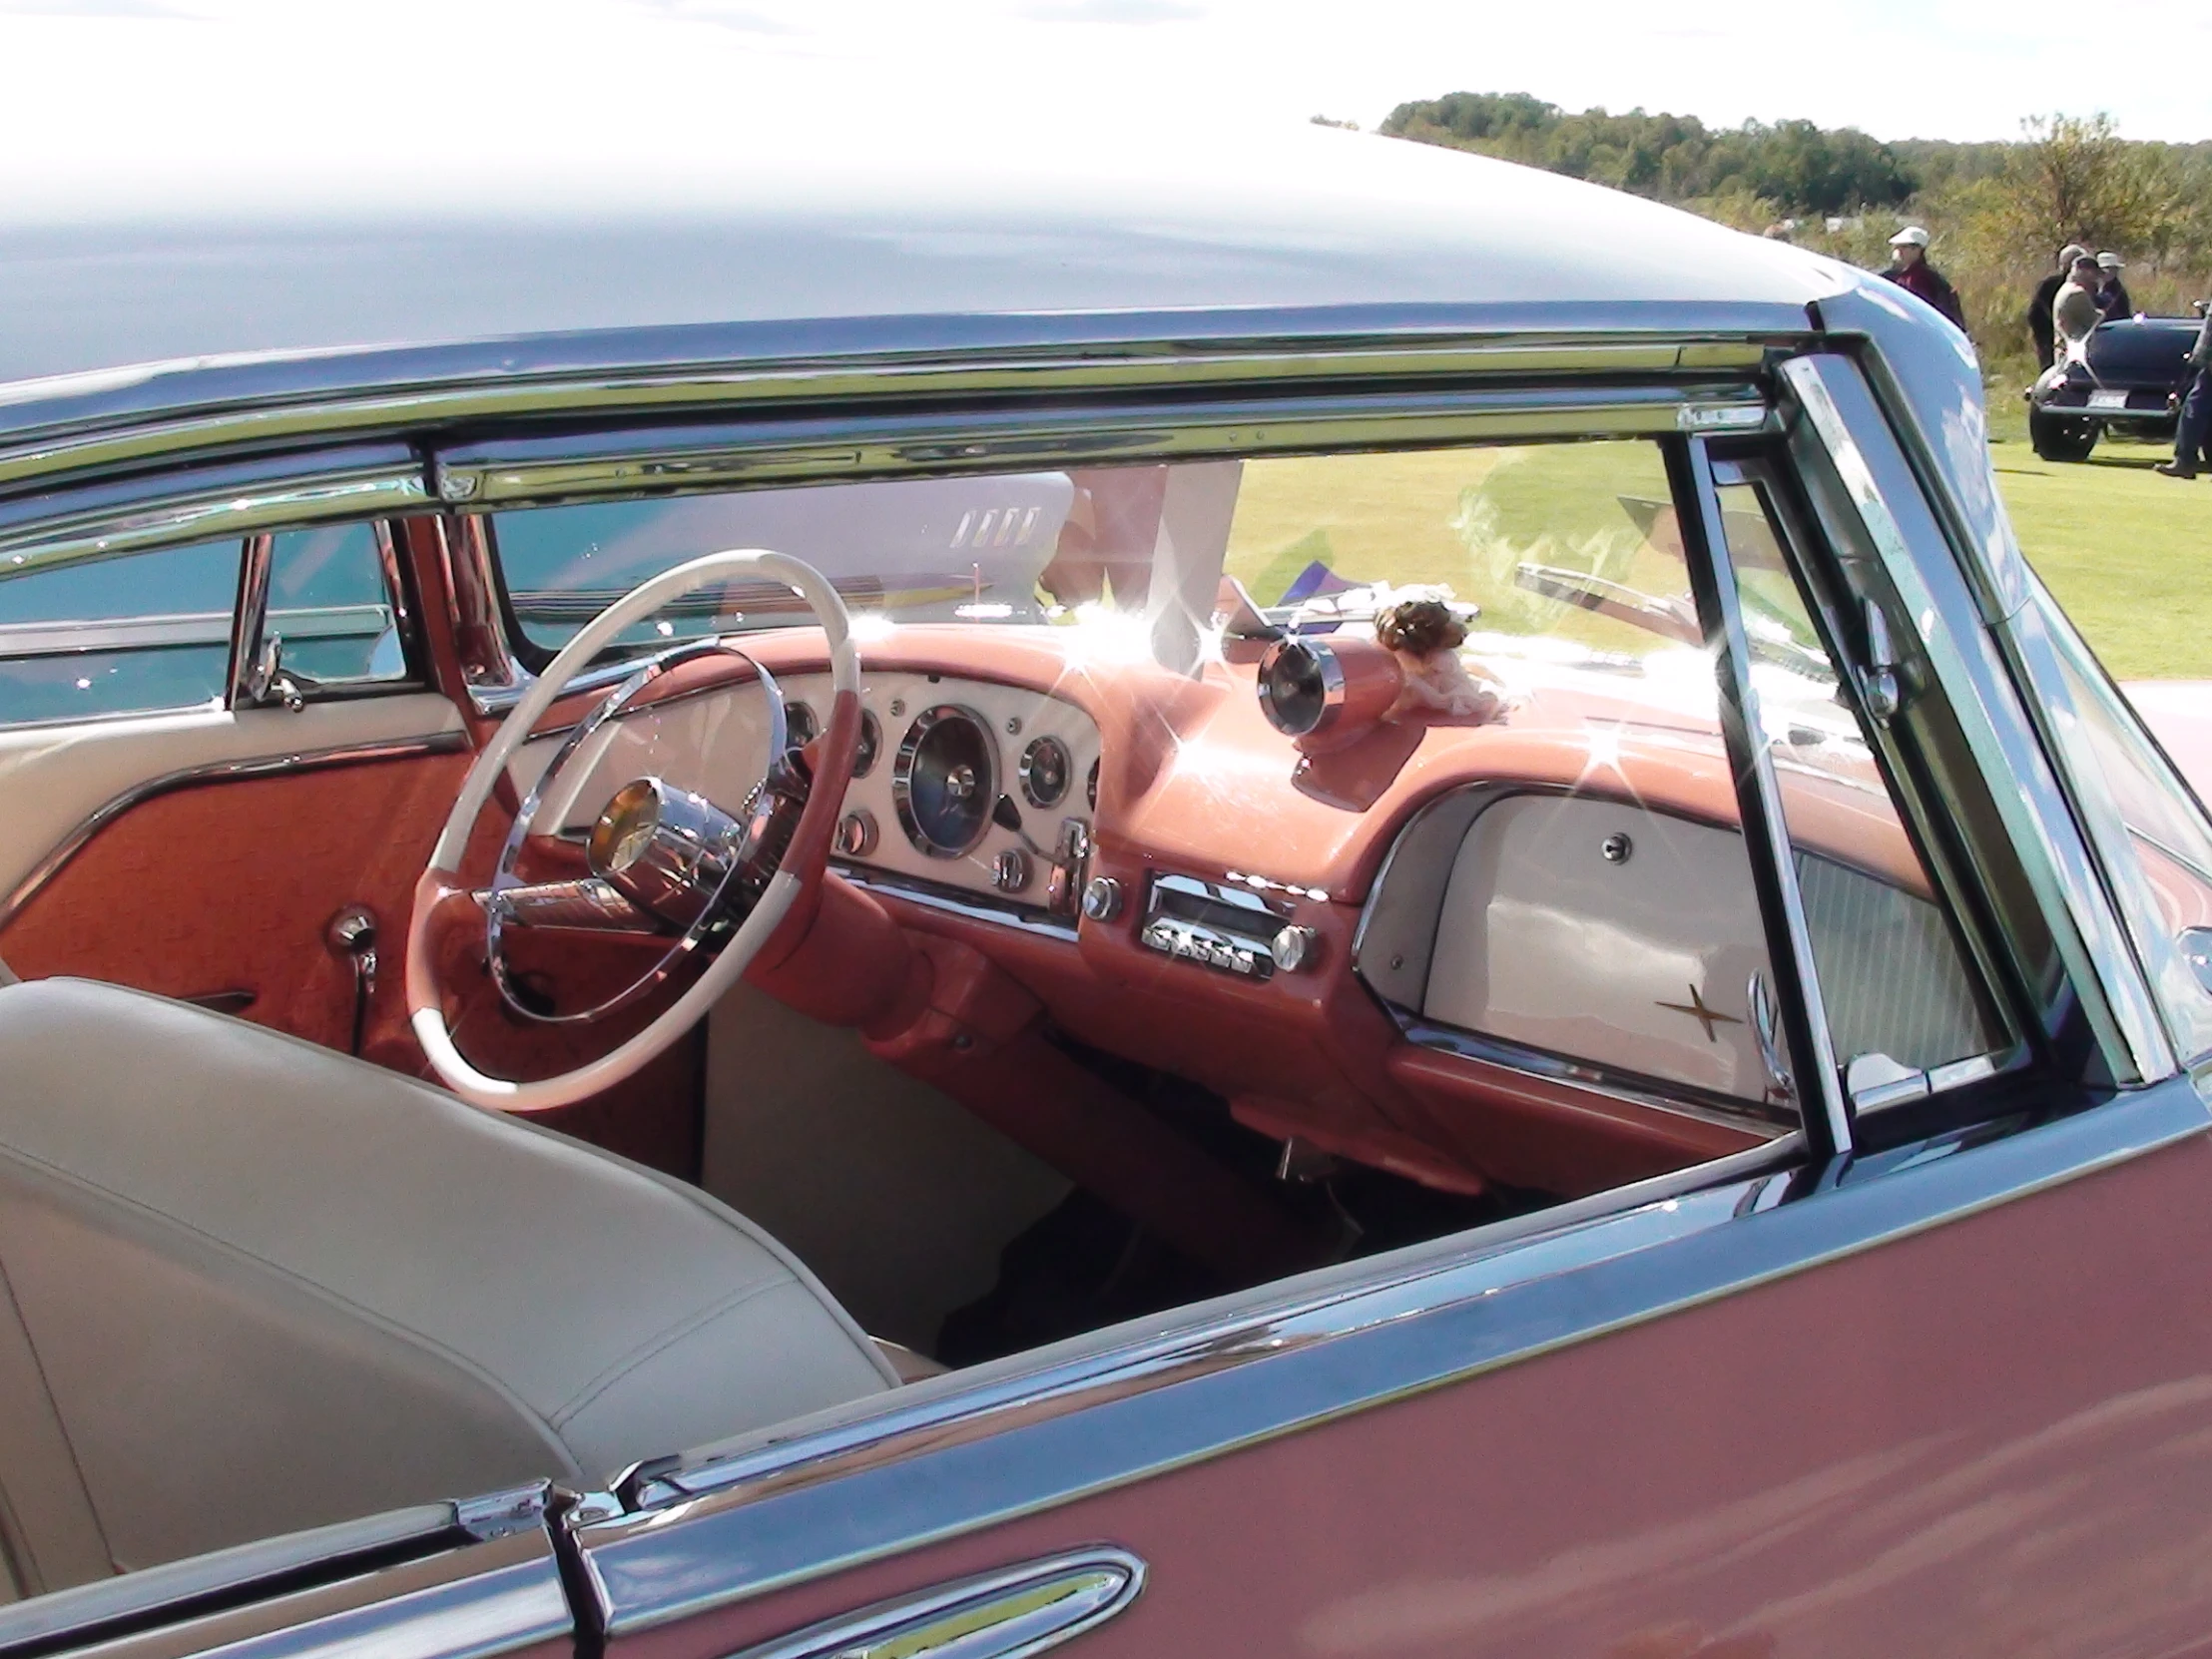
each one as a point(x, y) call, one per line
point(965, 788)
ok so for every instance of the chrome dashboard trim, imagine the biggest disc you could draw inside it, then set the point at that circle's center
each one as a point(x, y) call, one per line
point(217, 772)
point(966, 1451)
point(972, 906)
point(1763, 1119)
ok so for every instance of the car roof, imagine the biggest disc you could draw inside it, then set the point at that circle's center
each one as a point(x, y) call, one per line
point(253, 260)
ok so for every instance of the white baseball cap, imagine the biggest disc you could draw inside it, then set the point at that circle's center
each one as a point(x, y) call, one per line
point(2109, 261)
point(1912, 235)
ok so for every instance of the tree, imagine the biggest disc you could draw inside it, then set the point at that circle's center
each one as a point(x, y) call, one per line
point(2076, 180)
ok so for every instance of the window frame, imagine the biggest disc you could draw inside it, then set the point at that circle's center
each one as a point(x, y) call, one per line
point(245, 630)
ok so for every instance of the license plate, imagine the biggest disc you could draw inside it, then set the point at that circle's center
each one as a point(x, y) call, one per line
point(2111, 399)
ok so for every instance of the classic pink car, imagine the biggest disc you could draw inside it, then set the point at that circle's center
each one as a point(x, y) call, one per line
point(1374, 917)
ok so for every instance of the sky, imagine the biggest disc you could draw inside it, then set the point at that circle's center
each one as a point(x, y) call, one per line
point(136, 77)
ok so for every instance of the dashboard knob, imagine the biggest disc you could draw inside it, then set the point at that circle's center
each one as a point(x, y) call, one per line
point(1102, 898)
point(1010, 870)
point(1295, 947)
point(857, 834)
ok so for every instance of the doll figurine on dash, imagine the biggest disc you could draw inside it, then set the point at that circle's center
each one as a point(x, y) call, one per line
point(1424, 635)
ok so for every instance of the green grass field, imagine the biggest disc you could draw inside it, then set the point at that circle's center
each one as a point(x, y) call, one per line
point(2128, 552)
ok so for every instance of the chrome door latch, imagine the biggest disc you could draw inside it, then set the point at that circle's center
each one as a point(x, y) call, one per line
point(352, 937)
point(270, 681)
point(1881, 681)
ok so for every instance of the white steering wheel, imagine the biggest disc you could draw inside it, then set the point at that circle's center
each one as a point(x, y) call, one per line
point(704, 923)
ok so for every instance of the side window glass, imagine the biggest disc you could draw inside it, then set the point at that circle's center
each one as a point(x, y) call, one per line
point(331, 604)
point(2162, 850)
point(133, 634)
point(1901, 1001)
point(1583, 907)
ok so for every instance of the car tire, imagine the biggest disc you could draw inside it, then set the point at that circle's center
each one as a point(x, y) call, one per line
point(2061, 437)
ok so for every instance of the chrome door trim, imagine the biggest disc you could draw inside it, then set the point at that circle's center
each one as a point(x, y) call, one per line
point(1978, 682)
point(1819, 1097)
point(520, 471)
point(465, 1600)
point(217, 772)
point(948, 1457)
point(1009, 1614)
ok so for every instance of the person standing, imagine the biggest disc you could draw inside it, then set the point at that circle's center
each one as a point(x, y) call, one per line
point(1910, 270)
point(2193, 436)
point(2074, 313)
point(2113, 297)
point(2038, 308)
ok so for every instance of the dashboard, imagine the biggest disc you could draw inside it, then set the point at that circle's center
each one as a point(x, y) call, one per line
point(1521, 950)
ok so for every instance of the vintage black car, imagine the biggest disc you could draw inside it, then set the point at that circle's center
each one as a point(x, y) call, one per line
point(2130, 378)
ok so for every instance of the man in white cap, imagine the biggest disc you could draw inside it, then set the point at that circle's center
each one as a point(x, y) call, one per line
point(1910, 270)
point(2040, 326)
point(2113, 297)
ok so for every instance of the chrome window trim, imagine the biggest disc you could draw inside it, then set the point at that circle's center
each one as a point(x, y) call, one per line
point(1978, 682)
point(530, 471)
point(248, 617)
point(104, 420)
point(1819, 1097)
point(966, 1451)
point(217, 772)
point(193, 516)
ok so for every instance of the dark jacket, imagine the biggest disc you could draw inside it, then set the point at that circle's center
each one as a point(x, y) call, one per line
point(2113, 302)
point(2038, 318)
point(1927, 283)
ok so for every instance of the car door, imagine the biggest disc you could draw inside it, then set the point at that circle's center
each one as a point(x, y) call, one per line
point(224, 745)
point(1928, 1377)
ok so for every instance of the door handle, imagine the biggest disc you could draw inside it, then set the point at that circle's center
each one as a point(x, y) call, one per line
point(1001, 1616)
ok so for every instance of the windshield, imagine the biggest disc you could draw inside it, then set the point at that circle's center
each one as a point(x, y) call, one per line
point(930, 549)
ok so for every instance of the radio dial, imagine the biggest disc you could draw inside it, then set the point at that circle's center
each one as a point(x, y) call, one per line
point(1102, 898)
point(1295, 947)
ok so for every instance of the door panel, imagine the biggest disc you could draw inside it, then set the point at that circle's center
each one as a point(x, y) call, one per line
point(57, 778)
point(228, 886)
point(1993, 1436)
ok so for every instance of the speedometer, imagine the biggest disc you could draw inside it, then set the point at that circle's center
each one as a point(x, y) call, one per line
point(945, 781)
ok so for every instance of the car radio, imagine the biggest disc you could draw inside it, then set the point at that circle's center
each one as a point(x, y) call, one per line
point(1224, 927)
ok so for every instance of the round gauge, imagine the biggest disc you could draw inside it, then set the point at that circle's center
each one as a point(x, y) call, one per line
point(1046, 770)
point(1090, 787)
point(869, 745)
point(945, 781)
point(800, 728)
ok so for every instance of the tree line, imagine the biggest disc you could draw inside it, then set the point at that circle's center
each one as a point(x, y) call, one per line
point(1998, 211)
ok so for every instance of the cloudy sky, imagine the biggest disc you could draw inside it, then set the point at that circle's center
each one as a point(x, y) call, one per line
point(130, 73)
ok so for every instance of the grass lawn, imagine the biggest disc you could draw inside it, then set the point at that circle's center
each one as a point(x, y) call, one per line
point(2128, 553)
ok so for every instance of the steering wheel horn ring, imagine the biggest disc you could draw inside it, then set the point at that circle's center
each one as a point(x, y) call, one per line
point(735, 934)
